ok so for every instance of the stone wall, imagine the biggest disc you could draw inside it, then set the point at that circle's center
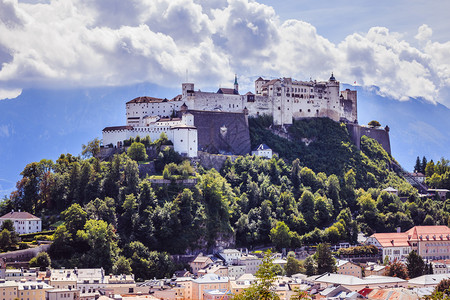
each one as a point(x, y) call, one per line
point(380, 135)
point(216, 161)
point(25, 254)
point(222, 132)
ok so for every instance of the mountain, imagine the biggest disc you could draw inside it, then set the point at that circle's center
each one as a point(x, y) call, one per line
point(45, 123)
point(417, 127)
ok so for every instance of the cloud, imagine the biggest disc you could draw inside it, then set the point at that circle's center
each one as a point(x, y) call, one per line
point(4, 131)
point(110, 42)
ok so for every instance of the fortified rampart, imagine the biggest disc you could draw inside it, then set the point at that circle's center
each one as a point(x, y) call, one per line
point(222, 132)
point(379, 134)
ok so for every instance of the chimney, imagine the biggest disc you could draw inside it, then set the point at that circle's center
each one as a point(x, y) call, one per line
point(399, 229)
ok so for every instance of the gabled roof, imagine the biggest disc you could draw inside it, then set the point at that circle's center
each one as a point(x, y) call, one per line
point(227, 91)
point(22, 215)
point(270, 82)
point(262, 147)
point(146, 99)
point(392, 239)
point(432, 232)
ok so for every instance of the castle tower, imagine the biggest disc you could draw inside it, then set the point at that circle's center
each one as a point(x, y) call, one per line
point(236, 85)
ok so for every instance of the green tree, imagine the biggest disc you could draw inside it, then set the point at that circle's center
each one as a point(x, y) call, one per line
point(293, 266)
point(325, 260)
point(137, 152)
point(417, 166)
point(74, 218)
point(263, 289)
point(91, 149)
point(280, 235)
point(122, 266)
point(374, 124)
point(42, 260)
point(310, 266)
point(415, 265)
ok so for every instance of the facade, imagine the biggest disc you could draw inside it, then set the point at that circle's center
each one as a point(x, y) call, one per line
point(199, 263)
point(263, 150)
point(348, 268)
point(206, 283)
point(284, 99)
point(430, 242)
point(23, 222)
point(230, 255)
point(62, 294)
point(181, 131)
point(251, 263)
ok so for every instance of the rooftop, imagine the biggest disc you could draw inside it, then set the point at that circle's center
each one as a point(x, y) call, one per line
point(19, 215)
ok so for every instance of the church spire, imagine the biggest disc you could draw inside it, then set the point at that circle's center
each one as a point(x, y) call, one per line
point(236, 85)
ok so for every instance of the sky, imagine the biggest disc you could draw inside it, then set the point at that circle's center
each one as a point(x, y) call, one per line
point(51, 51)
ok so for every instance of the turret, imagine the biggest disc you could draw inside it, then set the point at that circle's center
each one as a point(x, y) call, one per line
point(236, 85)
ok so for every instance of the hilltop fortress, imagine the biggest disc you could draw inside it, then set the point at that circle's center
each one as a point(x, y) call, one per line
point(217, 121)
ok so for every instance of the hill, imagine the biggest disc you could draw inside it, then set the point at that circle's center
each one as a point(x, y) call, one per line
point(324, 192)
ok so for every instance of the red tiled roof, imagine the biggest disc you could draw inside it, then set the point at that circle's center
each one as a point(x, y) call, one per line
point(392, 239)
point(19, 215)
point(365, 292)
point(431, 232)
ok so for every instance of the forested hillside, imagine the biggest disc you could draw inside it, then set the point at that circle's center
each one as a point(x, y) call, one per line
point(106, 215)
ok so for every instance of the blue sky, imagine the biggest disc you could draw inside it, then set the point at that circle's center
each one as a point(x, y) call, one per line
point(76, 62)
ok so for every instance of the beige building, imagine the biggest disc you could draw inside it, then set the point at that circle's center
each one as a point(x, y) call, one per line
point(8, 289)
point(62, 294)
point(208, 282)
point(348, 268)
point(430, 242)
point(374, 269)
point(199, 263)
point(32, 290)
point(251, 263)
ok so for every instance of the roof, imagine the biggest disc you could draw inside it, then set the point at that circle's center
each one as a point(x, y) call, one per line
point(390, 189)
point(259, 79)
point(19, 215)
point(211, 278)
point(113, 128)
point(146, 99)
point(262, 147)
point(201, 259)
point(427, 280)
point(333, 278)
point(432, 232)
point(270, 82)
point(341, 262)
point(392, 239)
point(227, 91)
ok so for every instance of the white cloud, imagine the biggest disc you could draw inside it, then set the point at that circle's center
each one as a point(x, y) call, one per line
point(9, 93)
point(5, 131)
point(112, 42)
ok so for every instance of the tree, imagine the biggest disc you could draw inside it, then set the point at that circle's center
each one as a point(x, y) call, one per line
point(280, 235)
point(137, 152)
point(42, 260)
point(292, 266)
point(75, 218)
point(374, 124)
point(397, 269)
point(415, 265)
point(417, 166)
point(423, 165)
point(325, 260)
point(263, 289)
point(310, 266)
point(122, 266)
point(91, 149)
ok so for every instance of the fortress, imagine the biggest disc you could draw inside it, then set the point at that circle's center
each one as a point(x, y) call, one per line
point(217, 121)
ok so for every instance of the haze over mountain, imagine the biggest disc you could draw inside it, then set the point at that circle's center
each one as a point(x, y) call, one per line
point(45, 123)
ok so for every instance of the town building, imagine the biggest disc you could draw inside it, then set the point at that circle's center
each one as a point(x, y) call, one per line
point(199, 263)
point(430, 242)
point(356, 284)
point(375, 269)
point(230, 255)
point(208, 282)
point(24, 222)
point(251, 263)
point(263, 150)
point(180, 131)
point(348, 268)
point(62, 294)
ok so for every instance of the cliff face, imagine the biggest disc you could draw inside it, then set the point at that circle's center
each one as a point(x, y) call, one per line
point(222, 132)
point(380, 135)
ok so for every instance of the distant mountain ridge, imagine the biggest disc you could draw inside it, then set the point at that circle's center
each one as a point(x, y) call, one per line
point(45, 123)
